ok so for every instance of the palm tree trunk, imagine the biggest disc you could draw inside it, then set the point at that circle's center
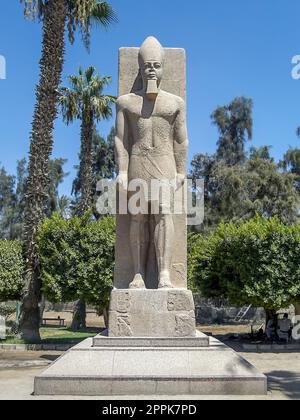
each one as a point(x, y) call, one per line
point(51, 66)
point(42, 307)
point(79, 316)
point(86, 198)
point(86, 163)
point(106, 316)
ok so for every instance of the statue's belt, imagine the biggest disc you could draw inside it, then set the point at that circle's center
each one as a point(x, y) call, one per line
point(152, 154)
point(152, 151)
point(151, 159)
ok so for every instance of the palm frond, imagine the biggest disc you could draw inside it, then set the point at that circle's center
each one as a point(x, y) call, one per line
point(89, 74)
point(69, 102)
point(102, 107)
point(85, 94)
point(33, 8)
point(84, 13)
point(103, 14)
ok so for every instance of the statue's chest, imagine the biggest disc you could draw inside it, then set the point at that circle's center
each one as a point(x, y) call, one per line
point(145, 115)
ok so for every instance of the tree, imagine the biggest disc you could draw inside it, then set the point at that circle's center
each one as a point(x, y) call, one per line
point(291, 164)
point(20, 190)
point(6, 310)
point(12, 197)
point(56, 177)
point(256, 262)
point(271, 192)
point(237, 193)
point(261, 153)
point(54, 15)
point(201, 168)
point(7, 202)
point(11, 270)
point(77, 259)
point(103, 151)
point(234, 123)
point(257, 187)
point(103, 165)
point(85, 101)
point(108, 168)
point(63, 206)
point(195, 244)
point(237, 184)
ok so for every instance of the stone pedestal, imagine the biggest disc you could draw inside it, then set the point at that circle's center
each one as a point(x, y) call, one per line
point(152, 313)
point(150, 367)
point(152, 348)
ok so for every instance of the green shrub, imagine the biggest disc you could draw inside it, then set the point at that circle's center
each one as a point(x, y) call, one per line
point(257, 262)
point(6, 310)
point(11, 270)
point(77, 259)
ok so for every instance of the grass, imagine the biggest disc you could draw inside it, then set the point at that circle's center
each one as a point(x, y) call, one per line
point(58, 336)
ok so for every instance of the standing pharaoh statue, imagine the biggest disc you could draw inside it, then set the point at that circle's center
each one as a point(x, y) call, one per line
point(151, 145)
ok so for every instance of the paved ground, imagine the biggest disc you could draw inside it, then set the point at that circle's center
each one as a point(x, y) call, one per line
point(17, 372)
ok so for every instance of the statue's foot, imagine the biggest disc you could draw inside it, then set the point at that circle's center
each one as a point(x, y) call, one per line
point(137, 283)
point(165, 281)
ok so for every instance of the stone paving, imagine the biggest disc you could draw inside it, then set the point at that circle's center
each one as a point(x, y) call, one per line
point(282, 369)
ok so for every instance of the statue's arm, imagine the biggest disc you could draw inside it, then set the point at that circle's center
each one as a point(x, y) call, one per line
point(181, 140)
point(121, 140)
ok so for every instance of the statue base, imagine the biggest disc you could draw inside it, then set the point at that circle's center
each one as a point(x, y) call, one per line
point(152, 313)
point(151, 367)
point(152, 349)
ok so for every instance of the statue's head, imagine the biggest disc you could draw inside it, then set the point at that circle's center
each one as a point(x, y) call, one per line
point(151, 61)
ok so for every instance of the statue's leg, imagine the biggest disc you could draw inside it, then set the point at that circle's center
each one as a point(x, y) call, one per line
point(139, 240)
point(164, 240)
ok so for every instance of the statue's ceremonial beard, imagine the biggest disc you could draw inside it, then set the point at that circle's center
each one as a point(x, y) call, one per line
point(152, 89)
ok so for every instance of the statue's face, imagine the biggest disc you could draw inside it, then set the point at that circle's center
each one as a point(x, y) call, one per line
point(152, 70)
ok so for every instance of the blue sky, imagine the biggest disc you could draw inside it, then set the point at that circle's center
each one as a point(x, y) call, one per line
point(233, 48)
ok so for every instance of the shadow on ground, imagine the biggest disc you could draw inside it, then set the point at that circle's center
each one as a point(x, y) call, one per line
point(285, 382)
point(49, 357)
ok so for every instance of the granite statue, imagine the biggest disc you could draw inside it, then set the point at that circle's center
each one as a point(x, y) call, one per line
point(151, 144)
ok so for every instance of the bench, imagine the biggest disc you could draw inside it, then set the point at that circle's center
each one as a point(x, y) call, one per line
point(60, 321)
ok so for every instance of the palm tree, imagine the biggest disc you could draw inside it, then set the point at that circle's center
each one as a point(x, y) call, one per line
point(55, 15)
point(84, 100)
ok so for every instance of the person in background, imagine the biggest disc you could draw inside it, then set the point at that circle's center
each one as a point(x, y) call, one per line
point(285, 328)
point(271, 329)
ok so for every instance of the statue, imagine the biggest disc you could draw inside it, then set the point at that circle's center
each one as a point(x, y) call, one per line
point(151, 144)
